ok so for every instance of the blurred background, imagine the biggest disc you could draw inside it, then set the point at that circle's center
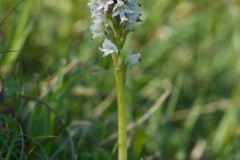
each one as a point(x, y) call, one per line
point(58, 100)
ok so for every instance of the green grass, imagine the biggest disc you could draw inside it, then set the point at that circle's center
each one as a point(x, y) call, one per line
point(59, 92)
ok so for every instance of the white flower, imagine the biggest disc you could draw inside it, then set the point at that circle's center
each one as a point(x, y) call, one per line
point(123, 12)
point(98, 26)
point(132, 2)
point(103, 4)
point(100, 4)
point(97, 31)
point(108, 48)
point(99, 18)
point(135, 59)
point(135, 15)
point(133, 18)
point(121, 9)
point(120, 1)
point(92, 4)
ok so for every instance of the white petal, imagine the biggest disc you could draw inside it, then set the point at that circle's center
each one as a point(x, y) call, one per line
point(133, 2)
point(115, 13)
point(108, 48)
point(96, 30)
point(135, 59)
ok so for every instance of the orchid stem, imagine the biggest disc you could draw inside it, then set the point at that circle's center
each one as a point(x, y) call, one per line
point(122, 122)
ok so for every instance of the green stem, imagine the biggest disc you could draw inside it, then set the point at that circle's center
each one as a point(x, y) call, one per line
point(122, 122)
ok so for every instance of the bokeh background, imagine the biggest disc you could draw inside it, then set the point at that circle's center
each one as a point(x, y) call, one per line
point(59, 93)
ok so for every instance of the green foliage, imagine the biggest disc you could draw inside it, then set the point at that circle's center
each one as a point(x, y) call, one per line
point(59, 100)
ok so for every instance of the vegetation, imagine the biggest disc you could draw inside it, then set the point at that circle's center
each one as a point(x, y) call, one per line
point(59, 97)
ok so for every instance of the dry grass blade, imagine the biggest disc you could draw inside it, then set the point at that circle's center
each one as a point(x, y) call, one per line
point(208, 108)
point(54, 80)
point(198, 150)
point(145, 117)
point(105, 104)
point(155, 156)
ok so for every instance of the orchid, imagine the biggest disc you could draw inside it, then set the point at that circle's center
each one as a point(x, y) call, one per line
point(113, 20)
point(124, 12)
point(108, 48)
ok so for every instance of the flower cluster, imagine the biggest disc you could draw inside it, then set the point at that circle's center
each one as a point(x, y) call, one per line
point(113, 20)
